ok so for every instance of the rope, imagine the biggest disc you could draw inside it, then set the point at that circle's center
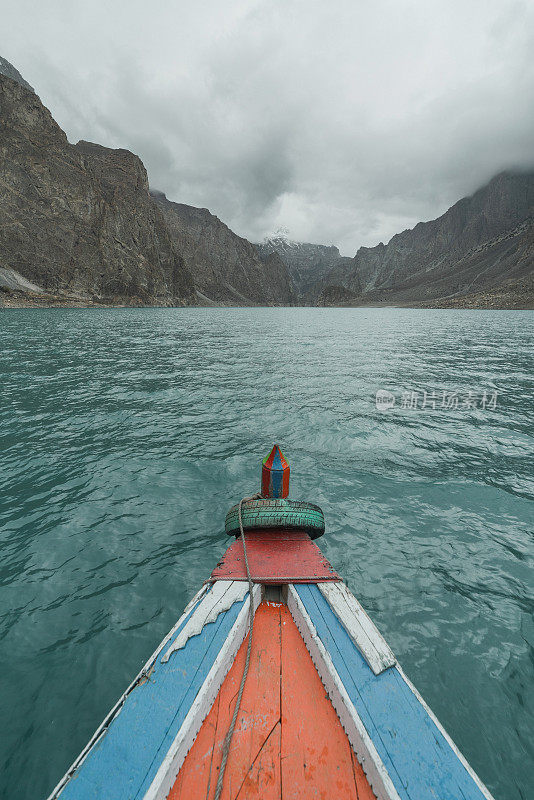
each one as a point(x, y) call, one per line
point(228, 737)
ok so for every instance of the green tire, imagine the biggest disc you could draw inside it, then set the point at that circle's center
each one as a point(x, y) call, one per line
point(268, 513)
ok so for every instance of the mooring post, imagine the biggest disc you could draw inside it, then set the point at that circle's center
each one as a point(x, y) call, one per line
point(275, 475)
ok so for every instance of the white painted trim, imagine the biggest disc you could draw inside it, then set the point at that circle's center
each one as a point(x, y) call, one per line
point(361, 742)
point(485, 791)
point(359, 626)
point(108, 719)
point(222, 597)
point(171, 764)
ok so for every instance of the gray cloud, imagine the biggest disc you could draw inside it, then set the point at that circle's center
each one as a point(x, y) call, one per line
point(345, 122)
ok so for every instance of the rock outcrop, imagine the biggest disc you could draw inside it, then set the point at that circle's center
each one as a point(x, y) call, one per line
point(78, 223)
point(10, 71)
point(308, 263)
point(336, 296)
point(78, 219)
point(480, 244)
point(226, 268)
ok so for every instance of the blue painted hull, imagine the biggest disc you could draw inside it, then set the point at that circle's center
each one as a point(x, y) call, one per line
point(414, 750)
point(140, 749)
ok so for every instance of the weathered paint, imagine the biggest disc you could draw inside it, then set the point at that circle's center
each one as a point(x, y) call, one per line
point(142, 677)
point(275, 556)
point(360, 628)
point(315, 750)
point(124, 761)
point(396, 740)
point(366, 752)
point(484, 789)
point(418, 757)
point(288, 742)
point(275, 474)
point(186, 736)
point(222, 597)
point(258, 716)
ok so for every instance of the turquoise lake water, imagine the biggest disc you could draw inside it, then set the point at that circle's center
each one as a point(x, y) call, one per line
point(127, 434)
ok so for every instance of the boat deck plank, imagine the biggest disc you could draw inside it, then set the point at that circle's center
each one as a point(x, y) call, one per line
point(263, 780)
point(316, 754)
point(258, 717)
point(288, 742)
point(421, 762)
point(279, 555)
point(362, 786)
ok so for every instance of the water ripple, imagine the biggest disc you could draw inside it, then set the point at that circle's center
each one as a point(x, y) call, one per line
point(127, 434)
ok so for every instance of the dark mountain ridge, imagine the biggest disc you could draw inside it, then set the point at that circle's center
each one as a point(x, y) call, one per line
point(77, 220)
point(225, 267)
point(10, 71)
point(308, 263)
point(78, 225)
point(481, 244)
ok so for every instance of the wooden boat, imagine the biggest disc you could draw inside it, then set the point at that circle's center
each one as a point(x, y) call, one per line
point(320, 708)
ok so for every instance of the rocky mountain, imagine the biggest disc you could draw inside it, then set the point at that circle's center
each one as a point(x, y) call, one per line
point(9, 71)
point(225, 268)
point(78, 225)
point(308, 264)
point(483, 245)
point(78, 220)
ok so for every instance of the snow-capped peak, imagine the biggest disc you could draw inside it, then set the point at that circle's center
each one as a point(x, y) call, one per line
point(281, 238)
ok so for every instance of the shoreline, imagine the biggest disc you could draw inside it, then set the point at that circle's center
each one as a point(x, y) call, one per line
point(484, 302)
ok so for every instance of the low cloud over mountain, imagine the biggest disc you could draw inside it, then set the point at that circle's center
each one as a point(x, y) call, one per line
point(347, 122)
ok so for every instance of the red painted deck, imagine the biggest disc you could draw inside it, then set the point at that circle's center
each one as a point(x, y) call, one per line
point(288, 742)
point(275, 556)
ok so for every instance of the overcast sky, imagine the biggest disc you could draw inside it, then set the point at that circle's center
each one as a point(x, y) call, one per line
point(345, 121)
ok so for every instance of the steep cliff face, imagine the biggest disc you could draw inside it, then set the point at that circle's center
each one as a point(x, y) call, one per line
point(78, 219)
point(9, 71)
point(477, 245)
point(225, 268)
point(308, 263)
